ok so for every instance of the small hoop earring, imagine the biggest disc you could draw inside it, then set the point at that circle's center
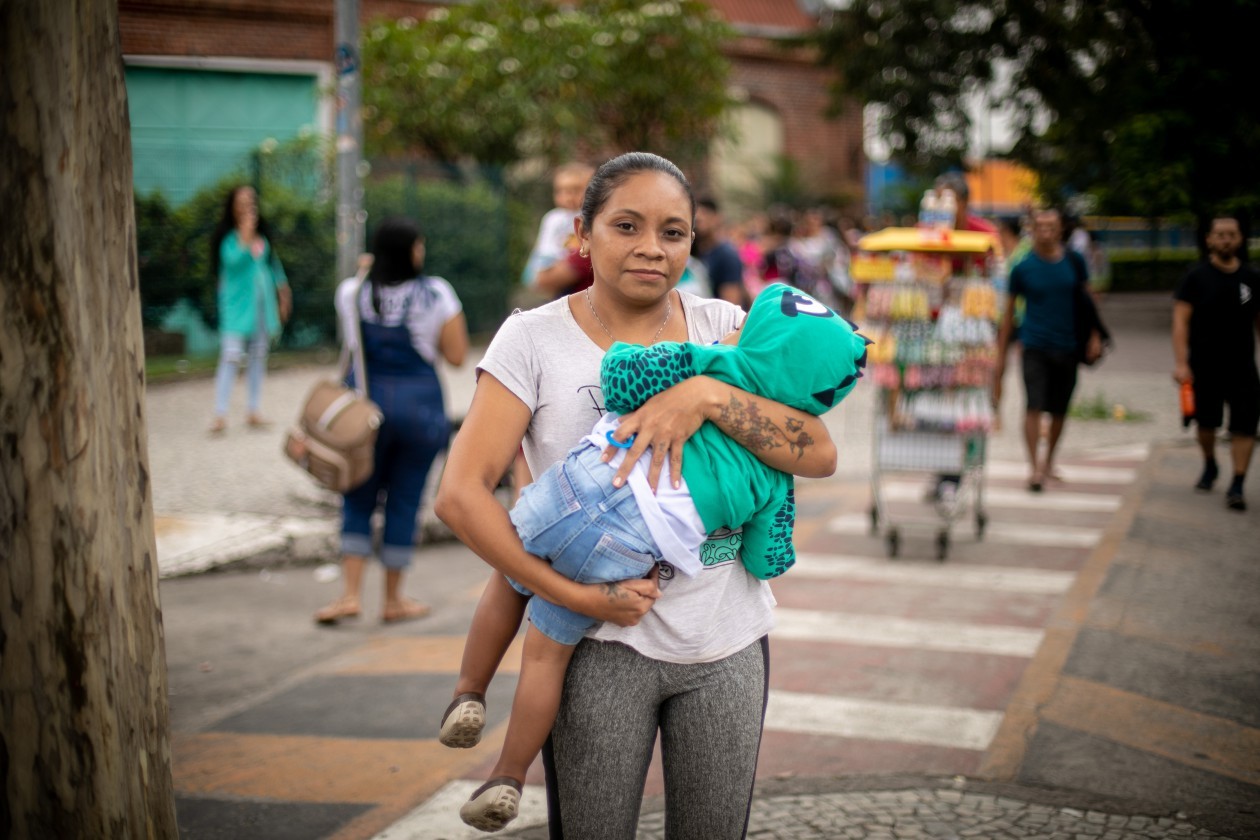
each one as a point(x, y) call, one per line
point(584, 251)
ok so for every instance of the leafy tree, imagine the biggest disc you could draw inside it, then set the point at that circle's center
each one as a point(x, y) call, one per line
point(1140, 102)
point(498, 81)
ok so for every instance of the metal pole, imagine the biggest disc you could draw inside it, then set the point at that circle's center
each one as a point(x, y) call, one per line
point(350, 214)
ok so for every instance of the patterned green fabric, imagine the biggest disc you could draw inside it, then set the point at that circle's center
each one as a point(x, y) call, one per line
point(792, 350)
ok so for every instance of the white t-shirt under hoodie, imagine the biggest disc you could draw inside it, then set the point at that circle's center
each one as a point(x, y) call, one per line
point(544, 358)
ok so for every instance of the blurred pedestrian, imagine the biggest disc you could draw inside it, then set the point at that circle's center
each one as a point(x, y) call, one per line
point(945, 485)
point(748, 243)
point(1048, 281)
point(822, 262)
point(407, 321)
point(1215, 310)
point(672, 661)
point(254, 302)
point(547, 271)
point(964, 219)
point(723, 267)
point(1014, 244)
point(778, 262)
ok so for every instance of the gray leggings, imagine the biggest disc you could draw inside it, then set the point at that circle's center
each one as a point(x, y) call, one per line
point(710, 717)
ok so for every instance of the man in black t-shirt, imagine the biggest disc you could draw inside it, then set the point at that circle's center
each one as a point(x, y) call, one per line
point(1215, 311)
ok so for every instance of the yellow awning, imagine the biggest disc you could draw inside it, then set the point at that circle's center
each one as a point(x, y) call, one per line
point(917, 239)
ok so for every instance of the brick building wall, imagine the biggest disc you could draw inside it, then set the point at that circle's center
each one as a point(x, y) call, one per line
point(828, 152)
point(259, 29)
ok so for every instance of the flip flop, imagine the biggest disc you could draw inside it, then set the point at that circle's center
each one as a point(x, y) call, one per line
point(409, 611)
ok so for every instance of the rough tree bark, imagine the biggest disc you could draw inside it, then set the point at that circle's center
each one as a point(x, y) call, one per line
point(84, 729)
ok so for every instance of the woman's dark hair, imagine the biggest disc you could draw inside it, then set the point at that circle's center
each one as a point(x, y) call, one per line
point(227, 224)
point(391, 255)
point(615, 172)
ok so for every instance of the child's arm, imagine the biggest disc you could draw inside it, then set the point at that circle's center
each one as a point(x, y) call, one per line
point(632, 373)
point(767, 551)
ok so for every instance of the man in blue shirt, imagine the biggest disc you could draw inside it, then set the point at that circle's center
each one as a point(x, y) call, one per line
point(721, 260)
point(1047, 280)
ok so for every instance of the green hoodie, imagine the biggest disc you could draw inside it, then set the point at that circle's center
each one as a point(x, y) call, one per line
point(792, 350)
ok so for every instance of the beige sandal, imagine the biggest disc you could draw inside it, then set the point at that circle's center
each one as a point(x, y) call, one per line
point(407, 611)
point(337, 610)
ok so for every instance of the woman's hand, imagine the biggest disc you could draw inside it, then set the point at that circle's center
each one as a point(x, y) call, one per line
point(796, 442)
point(664, 422)
point(622, 602)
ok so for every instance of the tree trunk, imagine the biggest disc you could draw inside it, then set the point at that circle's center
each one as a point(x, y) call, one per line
point(84, 730)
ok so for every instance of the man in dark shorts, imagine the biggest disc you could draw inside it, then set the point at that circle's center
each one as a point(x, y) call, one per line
point(1215, 310)
point(1046, 279)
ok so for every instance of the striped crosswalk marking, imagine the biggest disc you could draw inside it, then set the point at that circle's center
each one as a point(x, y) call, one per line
point(1057, 536)
point(1072, 474)
point(889, 631)
point(438, 818)
point(1006, 497)
point(908, 723)
point(932, 574)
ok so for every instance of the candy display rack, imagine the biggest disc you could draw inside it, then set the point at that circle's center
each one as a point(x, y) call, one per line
point(927, 299)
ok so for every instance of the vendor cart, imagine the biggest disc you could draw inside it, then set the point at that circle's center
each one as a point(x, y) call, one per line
point(928, 299)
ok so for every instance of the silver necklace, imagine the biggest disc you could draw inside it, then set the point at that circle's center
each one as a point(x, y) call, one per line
point(669, 310)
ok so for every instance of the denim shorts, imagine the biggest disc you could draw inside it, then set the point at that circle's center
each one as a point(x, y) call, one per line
point(589, 531)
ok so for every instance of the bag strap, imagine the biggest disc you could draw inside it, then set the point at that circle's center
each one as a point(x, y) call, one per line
point(1079, 269)
point(1083, 296)
point(356, 357)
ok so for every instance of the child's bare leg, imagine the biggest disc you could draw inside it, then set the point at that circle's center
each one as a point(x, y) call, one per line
point(495, 624)
point(535, 705)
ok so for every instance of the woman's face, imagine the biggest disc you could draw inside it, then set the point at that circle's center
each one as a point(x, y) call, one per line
point(641, 238)
point(244, 204)
point(417, 254)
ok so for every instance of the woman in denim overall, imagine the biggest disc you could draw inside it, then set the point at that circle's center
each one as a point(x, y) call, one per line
point(406, 321)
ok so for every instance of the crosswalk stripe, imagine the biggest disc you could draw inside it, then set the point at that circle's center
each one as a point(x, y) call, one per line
point(1120, 452)
point(1058, 536)
point(438, 818)
point(907, 723)
point(1005, 497)
point(890, 631)
point(933, 574)
point(1071, 473)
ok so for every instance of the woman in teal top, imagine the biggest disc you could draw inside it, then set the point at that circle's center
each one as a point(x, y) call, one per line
point(254, 300)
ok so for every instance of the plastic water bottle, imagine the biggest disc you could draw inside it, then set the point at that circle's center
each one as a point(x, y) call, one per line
point(947, 208)
point(928, 210)
point(1187, 404)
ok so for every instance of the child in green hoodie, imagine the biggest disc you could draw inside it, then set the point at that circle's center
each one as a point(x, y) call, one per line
point(790, 349)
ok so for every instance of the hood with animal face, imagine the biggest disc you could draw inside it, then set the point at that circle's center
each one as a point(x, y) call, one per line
point(792, 349)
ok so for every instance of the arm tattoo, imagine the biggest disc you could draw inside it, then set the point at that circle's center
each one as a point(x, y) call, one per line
point(745, 423)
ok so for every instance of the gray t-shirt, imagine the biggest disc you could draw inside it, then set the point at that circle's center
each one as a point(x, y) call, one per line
point(545, 359)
